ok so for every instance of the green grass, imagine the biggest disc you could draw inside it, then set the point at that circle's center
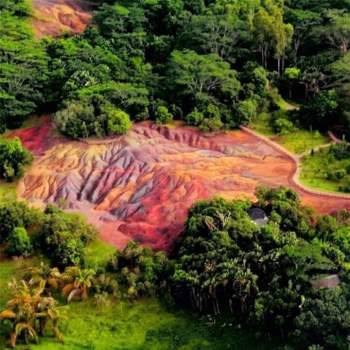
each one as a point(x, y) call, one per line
point(145, 325)
point(301, 141)
point(98, 253)
point(9, 269)
point(298, 141)
point(262, 124)
point(315, 169)
point(148, 324)
point(7, 191)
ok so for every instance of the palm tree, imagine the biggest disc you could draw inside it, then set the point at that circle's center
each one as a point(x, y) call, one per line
point(48, 312)
point(77, 283)
point(51, 276)
point(28, 312)
point(21, 312)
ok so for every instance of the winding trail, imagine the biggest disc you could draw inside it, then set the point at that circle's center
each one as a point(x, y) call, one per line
point(297, 159)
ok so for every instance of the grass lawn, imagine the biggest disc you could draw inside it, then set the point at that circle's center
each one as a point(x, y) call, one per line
point(296, 142)
point(261, 124)
point(144, 325)
point(148, 324)
point(98, 253)
point(315, 169)
point(9, 269)
point(301, 141)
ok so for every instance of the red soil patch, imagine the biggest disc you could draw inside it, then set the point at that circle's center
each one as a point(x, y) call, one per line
point(37, 139)
point(53, 17)
point(141, 185)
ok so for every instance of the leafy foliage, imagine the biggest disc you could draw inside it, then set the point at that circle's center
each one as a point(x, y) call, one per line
point(262, 273)
point(63, 237)
point(13, 158)
point(23, 66)
point(19, 243)
point(140, 270)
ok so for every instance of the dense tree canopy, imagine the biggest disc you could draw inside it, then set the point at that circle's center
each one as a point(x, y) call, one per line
point(263, 274)
point(189, 57)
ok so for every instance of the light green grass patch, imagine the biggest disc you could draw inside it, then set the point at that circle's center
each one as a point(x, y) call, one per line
point(301, 141)
point(98, 253)
point(7, 191)
point(12, 268)
point(262, 124)
point(298, 141)
point(315, 169)
point(145, 325)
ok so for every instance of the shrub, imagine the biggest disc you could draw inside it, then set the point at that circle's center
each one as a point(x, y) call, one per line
point(162, 115)
point(335, 175)
point(19, 243)
point(194, 118)
point(118, 121)
point(346, 186)
point(340, 151)
point(17, 214)
point(283, 126)
point(13, 158)
point(211, 124)
point(247, 110)
point(63, 237)
point(139, 269)
point(78, 120)
point(320, 110)
point(347, 169)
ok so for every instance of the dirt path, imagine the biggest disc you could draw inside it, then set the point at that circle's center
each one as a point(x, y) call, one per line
point(323, 201)
point(54, 17)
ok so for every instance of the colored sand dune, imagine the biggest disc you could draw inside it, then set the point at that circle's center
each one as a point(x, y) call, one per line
point(54, 17)
point(140, 186)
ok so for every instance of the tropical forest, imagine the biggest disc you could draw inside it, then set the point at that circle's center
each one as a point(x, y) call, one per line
point(175, 174)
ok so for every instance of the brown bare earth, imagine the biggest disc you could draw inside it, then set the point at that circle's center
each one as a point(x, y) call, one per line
point(140, 186)
point(54, 17)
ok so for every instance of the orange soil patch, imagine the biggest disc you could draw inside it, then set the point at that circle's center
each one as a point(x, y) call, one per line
point(140, 186)
point(53, 17)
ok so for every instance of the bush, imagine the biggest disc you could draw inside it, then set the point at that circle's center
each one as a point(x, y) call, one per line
point(78, 120)
point(141, 270)
point(19, 243)
point(194, 118)
point(214, 124)
point(162, 115)
point(118, 121)
point(347, 169)
point(340, 151)
point(247, 110)
point(63, 237)
point(283, 126)
point(346, 186)
point(320, 112)
point(13, 158)
point(335, 175)
point(17, 214)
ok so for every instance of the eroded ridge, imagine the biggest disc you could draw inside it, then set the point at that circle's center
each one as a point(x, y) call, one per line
point(140, 186)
